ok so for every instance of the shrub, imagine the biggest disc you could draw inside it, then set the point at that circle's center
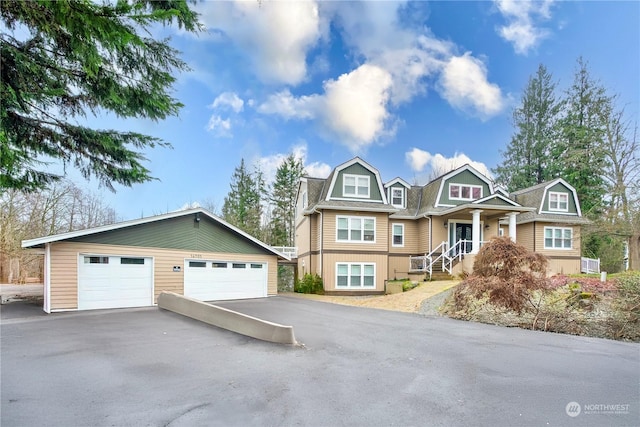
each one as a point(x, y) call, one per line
point(506, 272)
point(629, 294)
point(407, 285)
point(310, 284)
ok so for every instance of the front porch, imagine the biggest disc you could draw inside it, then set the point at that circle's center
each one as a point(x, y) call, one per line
point(457, 235)
point(444, 261)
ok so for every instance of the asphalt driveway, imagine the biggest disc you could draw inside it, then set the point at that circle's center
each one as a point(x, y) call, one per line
point(358, 366)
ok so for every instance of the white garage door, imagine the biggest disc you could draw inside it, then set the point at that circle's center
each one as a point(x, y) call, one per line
point(114, 281)
point(222, 280)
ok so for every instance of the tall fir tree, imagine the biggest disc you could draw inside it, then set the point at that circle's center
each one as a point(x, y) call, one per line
point(283, 201)
point(581, 151)
point(74, 58)
point(527, 160)
point(243, 204)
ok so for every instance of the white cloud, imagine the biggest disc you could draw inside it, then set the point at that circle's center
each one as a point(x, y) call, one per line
point(228, 100)
point(224, 102)
point(417, 159)
point(286, 105)
point(352, 108)
point(356, 106)
point(275, 35)
point(522, 18)
point(397, 63)
point(436, 164)
point(464, 85)
point(219, 126)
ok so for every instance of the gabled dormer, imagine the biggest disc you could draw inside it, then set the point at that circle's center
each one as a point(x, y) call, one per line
point(356, 180)
point(397, 190)
point(461, 186)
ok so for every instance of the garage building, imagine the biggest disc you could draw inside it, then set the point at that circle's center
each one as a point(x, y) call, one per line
point(128, 264)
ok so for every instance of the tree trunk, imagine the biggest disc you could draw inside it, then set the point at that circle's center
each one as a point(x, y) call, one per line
point(634, 252)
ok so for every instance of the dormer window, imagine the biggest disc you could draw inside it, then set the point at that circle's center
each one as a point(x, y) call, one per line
point(558, 201)
point(396, 195)
point(464, 192)
point(355, 186)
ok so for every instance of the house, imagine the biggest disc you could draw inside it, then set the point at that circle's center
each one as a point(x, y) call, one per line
point(357, 232)
point(190, 252)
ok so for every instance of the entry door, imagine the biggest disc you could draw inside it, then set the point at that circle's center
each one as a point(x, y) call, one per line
point(463, 232)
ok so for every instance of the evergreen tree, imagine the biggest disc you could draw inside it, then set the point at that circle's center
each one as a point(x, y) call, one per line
point(527, 159)
point(581, 152)
point(243, 204)
point(82, 57)
point(283, 199)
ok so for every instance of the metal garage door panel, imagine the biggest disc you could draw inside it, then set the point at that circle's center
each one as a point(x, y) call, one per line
point(114, 285)
point(223, 283)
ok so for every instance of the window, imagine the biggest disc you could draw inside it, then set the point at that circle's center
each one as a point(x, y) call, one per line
point(218, 265)
point(557, 237)
point(239, 265)
point(256, 265)
point(96, 260)
point(397, 236)
point(355, 186)
point(397, 197)
point(197, 264)
point(558, 201)
point(132, 261)
point(304, 200)
point(464, 192)
point(355, 229)
point(355, 275)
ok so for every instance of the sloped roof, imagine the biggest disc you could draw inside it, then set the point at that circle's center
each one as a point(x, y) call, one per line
point(132, 223)
point(318, 191)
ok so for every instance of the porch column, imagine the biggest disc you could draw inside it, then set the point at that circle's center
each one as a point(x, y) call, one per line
point(475, 232)
point(512, 225)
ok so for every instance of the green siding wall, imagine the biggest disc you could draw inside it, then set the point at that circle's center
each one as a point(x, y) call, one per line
point(561, 188)
point(496, 201)
point(357, 169)
point(464, 177)
point(178, 233)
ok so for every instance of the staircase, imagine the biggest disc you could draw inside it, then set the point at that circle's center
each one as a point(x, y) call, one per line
point(436, 269)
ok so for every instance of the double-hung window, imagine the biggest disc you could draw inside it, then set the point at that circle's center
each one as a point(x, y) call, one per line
point(355, 275)
point(355, 186)
point(464, 192)
point(557, 237)
point(397, 197)
point(355, 229)
point(397, 236)
point(558, 201)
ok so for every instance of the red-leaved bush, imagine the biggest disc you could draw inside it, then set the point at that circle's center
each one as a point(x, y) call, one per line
point(506, 272)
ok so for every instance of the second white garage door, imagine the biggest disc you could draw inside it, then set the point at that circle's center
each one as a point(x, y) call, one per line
point(222, 280)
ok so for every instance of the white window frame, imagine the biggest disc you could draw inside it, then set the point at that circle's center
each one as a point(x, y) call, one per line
point(555, 205)
point(470, 187)
point(393, 235)
point(305, 201)
point(360, 181)
point(350, 274)
point(350, 228)
point(402, 196)
point(558, 240)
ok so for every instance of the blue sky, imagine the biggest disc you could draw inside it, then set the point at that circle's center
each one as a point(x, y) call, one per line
point(410, 87)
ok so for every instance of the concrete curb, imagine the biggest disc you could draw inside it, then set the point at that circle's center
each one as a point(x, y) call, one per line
point(226, 319)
